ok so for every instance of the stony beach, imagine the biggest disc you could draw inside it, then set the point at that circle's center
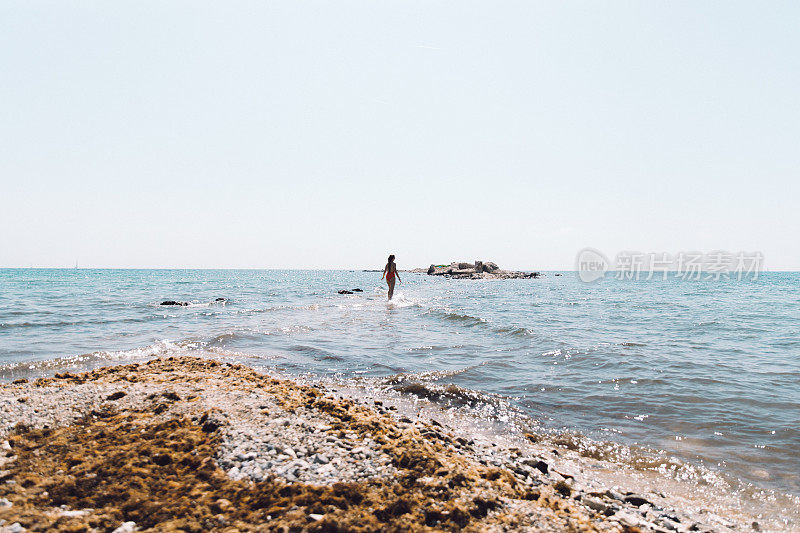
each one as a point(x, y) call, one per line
point(194, 444)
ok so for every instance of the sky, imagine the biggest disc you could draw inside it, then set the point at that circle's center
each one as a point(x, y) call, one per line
point(304, 134)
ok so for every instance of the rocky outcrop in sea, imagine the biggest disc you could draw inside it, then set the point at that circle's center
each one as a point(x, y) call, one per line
point(477, 270)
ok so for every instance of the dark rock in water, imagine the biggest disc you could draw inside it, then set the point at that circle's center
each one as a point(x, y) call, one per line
point(357, 290)
point(431, 270)
point(345, 292)
point(173, 302)
point(558, 274)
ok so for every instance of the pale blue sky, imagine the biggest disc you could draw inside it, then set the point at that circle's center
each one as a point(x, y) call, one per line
point(329, 134)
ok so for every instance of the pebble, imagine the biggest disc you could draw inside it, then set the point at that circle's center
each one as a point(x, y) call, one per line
point(73, 514)
point(595, 503)
point(626, 518)
point(126, 527)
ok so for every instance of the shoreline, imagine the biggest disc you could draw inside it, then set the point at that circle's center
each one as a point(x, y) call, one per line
point(187, 443)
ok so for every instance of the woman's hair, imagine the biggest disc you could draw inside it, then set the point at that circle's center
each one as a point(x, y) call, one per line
point(391, 258)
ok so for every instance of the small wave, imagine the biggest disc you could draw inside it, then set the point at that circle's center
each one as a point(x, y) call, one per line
point(401, 300)
point(430, 375)
point(317, 353)
point(433, 348)
point(227, 338)
point(514, 331)
point(451, 395)
point(474, 321)
point(424, 386)
point(456, 317)
point(164, 348)
point(63, 323)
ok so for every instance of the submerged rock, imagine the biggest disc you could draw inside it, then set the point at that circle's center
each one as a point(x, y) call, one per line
point(175, 302)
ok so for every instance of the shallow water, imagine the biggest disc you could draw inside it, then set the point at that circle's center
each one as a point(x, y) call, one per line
point(707, 372)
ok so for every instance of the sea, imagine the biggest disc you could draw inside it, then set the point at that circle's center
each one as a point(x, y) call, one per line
point(694, 379)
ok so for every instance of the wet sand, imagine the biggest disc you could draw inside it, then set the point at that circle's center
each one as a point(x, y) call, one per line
point(190, 444)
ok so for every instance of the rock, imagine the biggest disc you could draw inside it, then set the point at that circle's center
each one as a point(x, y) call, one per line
point(537, 464)
point(16, 527)
point(595, 503)
point(626, 518)
point(316, 517)
point(173, 302)
point(5, 504)
point(220, 505)
point(614, 495)
point(345, 292)
point(431, 270)
point(115, 396)
point(667, 524)
point(635, 499)
point(126, 527)
point(221, 300)
point(73, 514)
point(321, 459)
point(357, 290)
point(490, 267)
point(210, 422)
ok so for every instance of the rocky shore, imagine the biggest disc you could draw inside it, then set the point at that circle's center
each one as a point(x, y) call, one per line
point(191, 444)
point(477, 270)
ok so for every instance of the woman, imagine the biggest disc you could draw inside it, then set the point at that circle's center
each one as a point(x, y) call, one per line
point(390, 272)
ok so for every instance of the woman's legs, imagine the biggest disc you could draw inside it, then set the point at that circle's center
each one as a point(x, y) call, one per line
point(390, 282)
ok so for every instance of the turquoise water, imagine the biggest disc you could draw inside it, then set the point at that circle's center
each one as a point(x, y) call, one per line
point(707, 371)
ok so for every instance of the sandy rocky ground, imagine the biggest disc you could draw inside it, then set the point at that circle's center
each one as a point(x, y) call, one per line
point(190, 444)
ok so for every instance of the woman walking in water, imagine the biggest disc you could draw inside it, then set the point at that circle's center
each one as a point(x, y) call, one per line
point(390, 272)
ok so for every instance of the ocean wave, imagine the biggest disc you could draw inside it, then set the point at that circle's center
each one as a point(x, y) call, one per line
point(63, 323)
point(472, 321)
point(164, 348)
point(454, 316)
